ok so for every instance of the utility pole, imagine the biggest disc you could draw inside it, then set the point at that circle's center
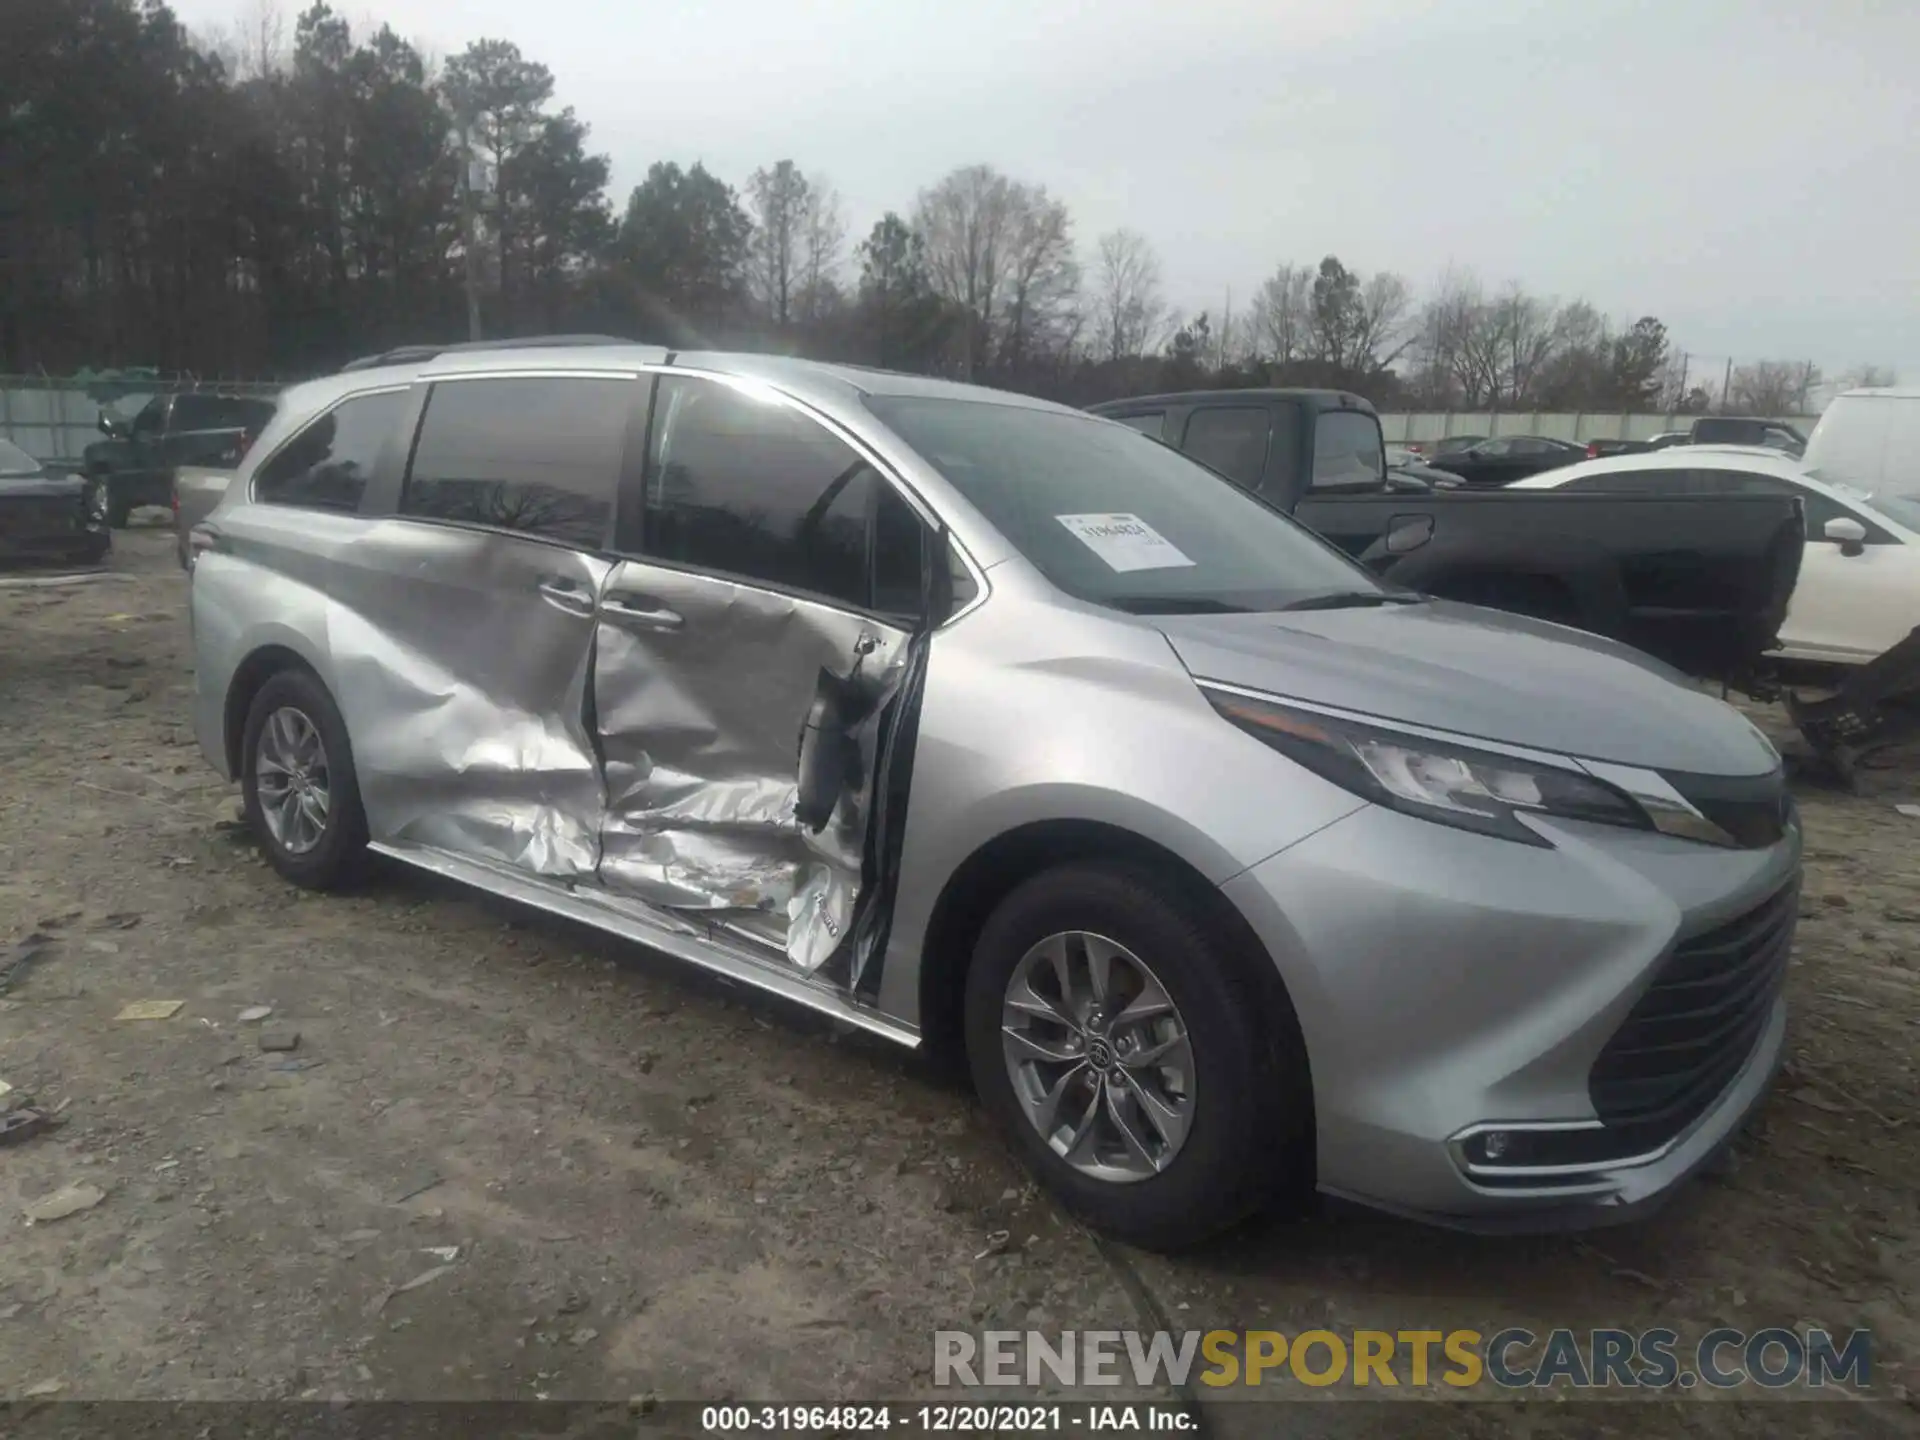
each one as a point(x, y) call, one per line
point(469, 232)
point(1726, 387)
point(1226, 327)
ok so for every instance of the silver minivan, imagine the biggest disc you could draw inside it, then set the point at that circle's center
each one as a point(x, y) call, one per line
point(984, 724)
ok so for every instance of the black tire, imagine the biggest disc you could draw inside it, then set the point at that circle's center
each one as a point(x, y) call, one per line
point(119, 510)
point(1249, 1144)
point(339, 857)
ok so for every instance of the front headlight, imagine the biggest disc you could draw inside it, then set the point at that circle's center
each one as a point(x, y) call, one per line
point(1455, 785)
point(95, 497)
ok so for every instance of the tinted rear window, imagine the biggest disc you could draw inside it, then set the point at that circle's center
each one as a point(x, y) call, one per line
point(327, 465)
point(1347, 450)
point(541, 456)
point(1231, 439)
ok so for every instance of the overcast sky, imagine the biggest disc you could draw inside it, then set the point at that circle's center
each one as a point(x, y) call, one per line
point(1747, 170)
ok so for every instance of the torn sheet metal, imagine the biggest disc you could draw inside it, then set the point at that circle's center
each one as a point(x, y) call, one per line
point(703, 689)
point(463, 660)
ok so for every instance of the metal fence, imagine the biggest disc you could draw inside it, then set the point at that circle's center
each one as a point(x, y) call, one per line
point(57, 419)
point(1575, 425)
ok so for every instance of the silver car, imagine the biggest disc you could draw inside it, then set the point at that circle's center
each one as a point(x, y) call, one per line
point(980, 723)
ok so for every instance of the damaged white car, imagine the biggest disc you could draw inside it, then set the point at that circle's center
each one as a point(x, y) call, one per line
point(972, 720)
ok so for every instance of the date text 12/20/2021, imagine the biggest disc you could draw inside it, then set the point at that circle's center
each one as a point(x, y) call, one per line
point(963, 1419)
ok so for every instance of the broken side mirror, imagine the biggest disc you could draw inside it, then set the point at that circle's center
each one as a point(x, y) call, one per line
point(1850, 534)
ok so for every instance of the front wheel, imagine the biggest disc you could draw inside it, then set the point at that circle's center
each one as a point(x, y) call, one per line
point(119, 508)
point(298, 786)
point(1132, 1055)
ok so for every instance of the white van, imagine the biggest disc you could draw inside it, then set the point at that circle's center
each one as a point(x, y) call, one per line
point(1870, 439)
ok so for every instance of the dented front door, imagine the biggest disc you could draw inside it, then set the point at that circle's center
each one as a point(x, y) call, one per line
point(743, 660)
point(703, 689)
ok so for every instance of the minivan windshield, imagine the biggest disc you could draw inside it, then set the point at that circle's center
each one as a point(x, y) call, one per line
point(1114, 517)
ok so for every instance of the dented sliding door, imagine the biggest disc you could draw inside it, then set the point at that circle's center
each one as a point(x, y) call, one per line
point(464, 622)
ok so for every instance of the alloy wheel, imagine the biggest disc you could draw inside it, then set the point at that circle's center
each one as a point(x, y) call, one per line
point(1099, 1057)
point(291, 779)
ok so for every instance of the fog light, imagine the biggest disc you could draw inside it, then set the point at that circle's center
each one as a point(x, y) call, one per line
point(1493, 1144)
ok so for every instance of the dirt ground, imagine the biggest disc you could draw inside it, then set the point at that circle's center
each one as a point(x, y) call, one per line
point(513, 1159)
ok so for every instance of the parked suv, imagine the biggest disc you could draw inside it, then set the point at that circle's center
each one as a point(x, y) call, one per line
point(974, 721)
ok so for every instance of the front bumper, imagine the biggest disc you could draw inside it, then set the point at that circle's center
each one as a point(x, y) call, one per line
point(1449, 984)
point(52, 529)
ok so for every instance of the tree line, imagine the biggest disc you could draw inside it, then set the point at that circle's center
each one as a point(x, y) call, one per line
point(274, 204)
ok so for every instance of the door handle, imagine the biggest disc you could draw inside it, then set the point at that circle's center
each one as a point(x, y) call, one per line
point(565, 594)
point(643, 612)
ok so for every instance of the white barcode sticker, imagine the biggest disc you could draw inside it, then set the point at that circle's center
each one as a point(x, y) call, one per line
point(1124, 542)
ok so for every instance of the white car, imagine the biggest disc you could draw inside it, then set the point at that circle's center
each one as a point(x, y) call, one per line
point(1859, 589)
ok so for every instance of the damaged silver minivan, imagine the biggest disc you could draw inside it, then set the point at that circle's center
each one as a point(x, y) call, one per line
point(971, 720)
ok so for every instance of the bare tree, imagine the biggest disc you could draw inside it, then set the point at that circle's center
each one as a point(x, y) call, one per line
point(823, 246)
point(1002, 254)
point(779, 200)
point(1869, 377)
point(263, 39)
point(1676, 380)
point(1522, 329)
point(1043, 278)
point(1126, 299)
point(964, 221)
point(1282, 313)
point(253, 45)
point(1380, 332)
point(1455, 348)
point(1773, 387)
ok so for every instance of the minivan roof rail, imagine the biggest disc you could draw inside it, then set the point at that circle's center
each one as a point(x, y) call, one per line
point(410, 354)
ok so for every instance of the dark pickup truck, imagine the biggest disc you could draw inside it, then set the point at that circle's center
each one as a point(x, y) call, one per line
point(138, 457)
point(1701, 581)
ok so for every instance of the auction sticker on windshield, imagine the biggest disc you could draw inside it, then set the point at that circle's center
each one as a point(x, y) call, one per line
point(1124, 542)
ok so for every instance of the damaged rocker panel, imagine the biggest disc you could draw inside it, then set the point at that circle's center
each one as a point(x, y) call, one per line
point(677, 935)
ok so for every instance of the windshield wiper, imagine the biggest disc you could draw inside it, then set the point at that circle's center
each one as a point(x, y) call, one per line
point(1351, 600)
point(1173, 605)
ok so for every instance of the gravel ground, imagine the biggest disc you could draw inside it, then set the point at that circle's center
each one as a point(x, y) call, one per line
point(510, 1158)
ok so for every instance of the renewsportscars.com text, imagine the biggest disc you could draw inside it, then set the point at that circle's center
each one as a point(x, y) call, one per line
point(1509, 1359)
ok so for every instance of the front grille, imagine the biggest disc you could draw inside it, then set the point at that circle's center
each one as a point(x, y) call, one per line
point(1693, 1030)
point(31, 517)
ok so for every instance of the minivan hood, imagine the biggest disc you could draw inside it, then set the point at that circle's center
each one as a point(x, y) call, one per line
point(1478, 673)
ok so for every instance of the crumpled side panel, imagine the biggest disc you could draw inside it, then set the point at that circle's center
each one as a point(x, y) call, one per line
point(464, 686)
point(700, 729)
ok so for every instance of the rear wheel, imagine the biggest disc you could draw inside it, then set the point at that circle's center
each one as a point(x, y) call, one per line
point(1134, 1058)
point(298, 785)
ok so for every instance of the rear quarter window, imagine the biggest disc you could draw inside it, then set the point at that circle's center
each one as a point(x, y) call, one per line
point(326, 465)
